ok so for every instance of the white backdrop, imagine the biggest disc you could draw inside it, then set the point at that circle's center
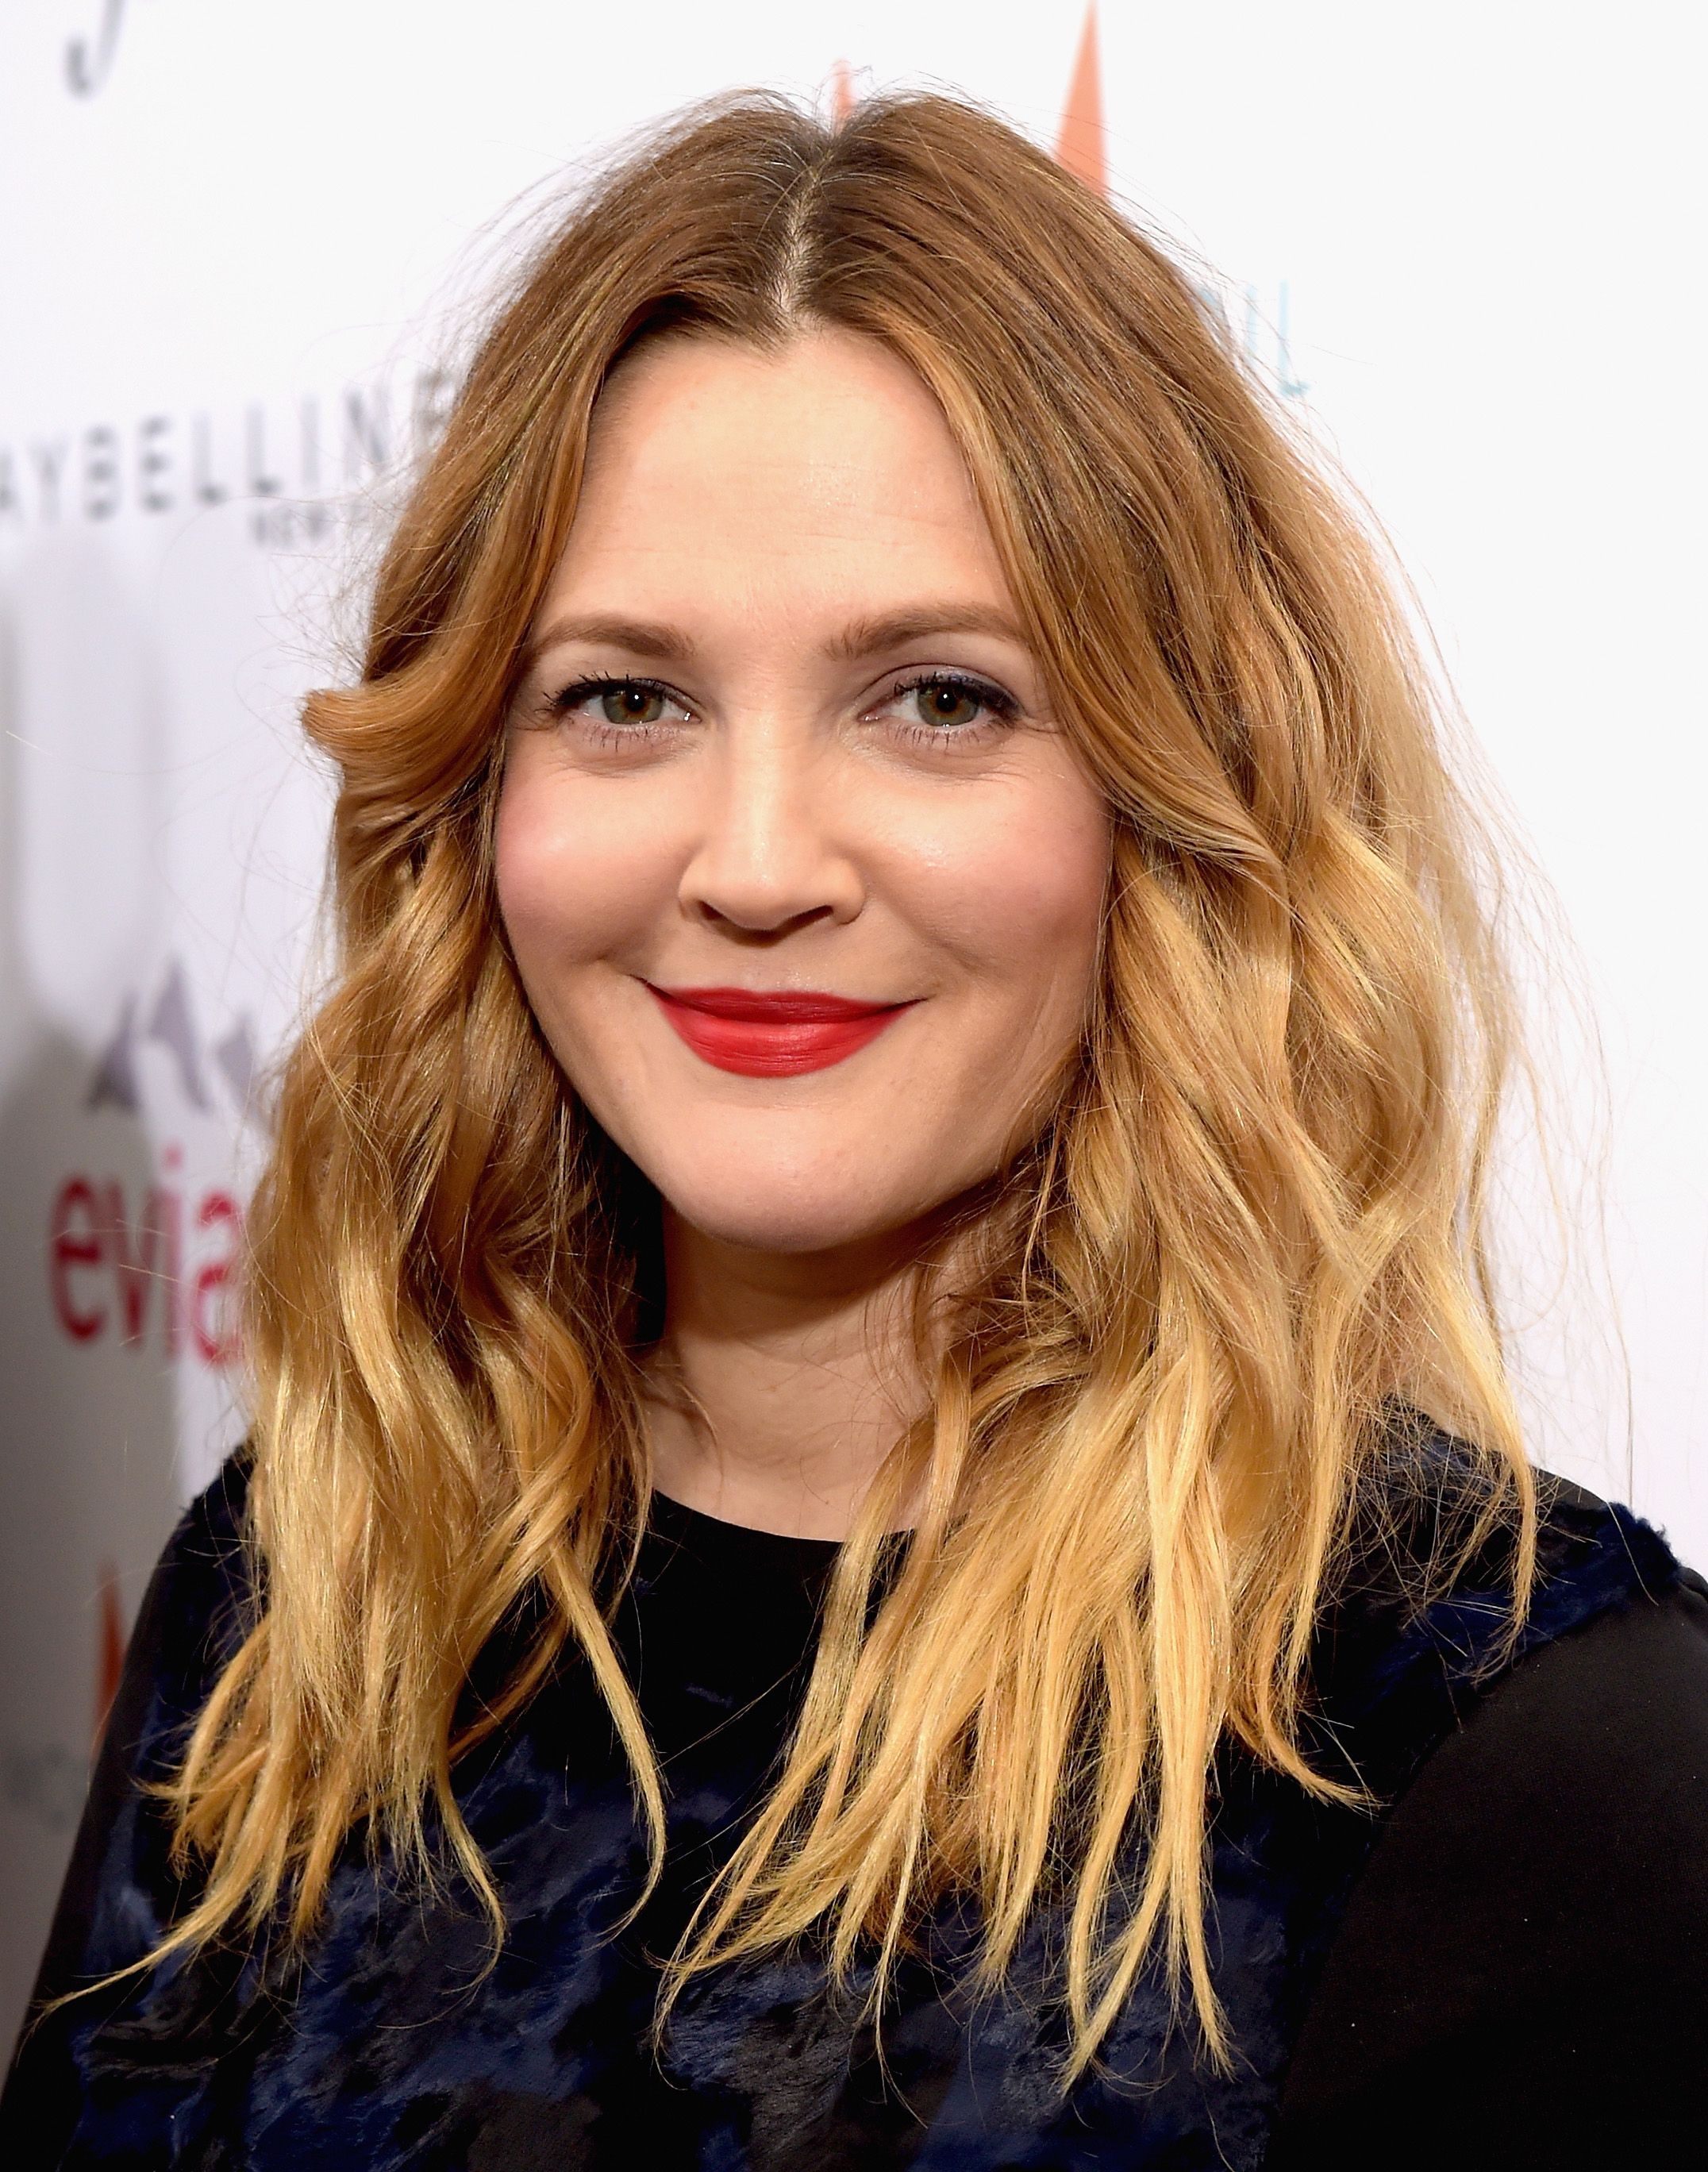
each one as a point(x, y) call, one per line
point(1461, 241)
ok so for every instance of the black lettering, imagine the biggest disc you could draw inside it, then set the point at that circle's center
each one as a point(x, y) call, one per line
point(154, 464)
point(100, 472)
point(208, 490)
point(366, 433)
point(434, 396)
point(50, 467)
point(309, 414)
point(260, 483)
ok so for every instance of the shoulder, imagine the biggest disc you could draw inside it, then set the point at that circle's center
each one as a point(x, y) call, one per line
point(198, 1605)
point(1522, 1953)
point(207, 1554)
point(1419, 1630)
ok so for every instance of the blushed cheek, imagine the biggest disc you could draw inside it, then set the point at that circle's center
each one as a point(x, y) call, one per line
point(1055, 934)
point(568, 889)
point(1031, 906)
point(537, 882)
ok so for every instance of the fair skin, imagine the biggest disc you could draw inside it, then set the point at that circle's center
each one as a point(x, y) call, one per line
point(780, 731)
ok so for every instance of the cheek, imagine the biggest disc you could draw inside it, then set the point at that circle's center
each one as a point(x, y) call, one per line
point(1021, 899)
point(575, 880)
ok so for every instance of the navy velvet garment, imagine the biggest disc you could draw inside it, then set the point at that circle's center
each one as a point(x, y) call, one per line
point(390, 2044)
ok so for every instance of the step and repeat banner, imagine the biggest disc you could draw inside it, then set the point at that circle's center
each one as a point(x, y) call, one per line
point(239, 252)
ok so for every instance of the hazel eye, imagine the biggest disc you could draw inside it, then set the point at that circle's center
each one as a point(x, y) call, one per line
point(948, 701)
point(631, 704)
point(622, 707)
point(949, 709)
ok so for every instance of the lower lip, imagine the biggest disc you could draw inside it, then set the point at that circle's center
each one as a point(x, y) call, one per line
point(758, 1048)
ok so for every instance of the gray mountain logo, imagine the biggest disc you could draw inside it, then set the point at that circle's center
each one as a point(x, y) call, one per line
point(169, 1022)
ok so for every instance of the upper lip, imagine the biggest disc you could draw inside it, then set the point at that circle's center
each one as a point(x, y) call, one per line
point(774, 1005)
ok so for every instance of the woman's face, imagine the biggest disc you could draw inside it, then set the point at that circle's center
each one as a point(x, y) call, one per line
point(802, 879)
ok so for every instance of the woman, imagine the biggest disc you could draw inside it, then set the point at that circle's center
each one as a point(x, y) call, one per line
point(883, 1525)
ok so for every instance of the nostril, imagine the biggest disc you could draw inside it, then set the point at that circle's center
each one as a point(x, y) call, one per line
point(755, 921)
point(770, 894)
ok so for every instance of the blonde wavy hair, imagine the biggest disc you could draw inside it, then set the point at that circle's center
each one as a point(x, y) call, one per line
point(1184, 1312)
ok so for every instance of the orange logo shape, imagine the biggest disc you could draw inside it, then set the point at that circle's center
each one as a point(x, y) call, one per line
point(841, 94)
point(1082, 146)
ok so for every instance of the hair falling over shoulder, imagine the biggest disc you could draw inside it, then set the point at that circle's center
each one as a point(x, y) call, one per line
point(1254, 1221)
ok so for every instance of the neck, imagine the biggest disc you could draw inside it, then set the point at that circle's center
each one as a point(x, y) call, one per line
point(781, 1380)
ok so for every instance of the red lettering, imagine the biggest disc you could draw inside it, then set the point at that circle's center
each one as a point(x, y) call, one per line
point(90, 1230)
point(70, 1247)
point(135, 1257)
point(215, 1335)
point(166, 1211)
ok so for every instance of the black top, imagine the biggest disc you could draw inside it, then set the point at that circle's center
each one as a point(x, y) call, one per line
point(1507, 1968)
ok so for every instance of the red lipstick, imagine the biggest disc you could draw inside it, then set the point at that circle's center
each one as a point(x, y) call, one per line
point(771, 1035)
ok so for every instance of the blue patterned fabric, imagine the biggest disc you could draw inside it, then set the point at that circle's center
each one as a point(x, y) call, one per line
point(390, 2044)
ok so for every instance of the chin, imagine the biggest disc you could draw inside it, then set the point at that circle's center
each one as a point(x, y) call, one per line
point(768, 1199)
point(759, 1218)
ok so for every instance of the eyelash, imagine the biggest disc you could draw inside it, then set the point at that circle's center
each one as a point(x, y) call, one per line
point(1003, 706)
point(559, 705)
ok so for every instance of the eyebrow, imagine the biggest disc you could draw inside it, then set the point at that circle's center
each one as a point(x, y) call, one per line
point(860, 639)
point(639, 636)
point(865, 637)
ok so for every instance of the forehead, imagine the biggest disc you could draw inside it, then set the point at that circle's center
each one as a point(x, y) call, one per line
point(825, 464)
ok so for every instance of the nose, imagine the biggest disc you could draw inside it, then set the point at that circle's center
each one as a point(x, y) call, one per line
point(770, 855)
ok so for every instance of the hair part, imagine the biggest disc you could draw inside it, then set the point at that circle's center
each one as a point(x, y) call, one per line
point(1180, 1323)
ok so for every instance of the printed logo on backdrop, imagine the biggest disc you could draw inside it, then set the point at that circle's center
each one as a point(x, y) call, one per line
point(47, 1781)
point(88, 60)
point(150, 1265)
point(140, 1255)
point(303, 469)
point(1261, 337)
